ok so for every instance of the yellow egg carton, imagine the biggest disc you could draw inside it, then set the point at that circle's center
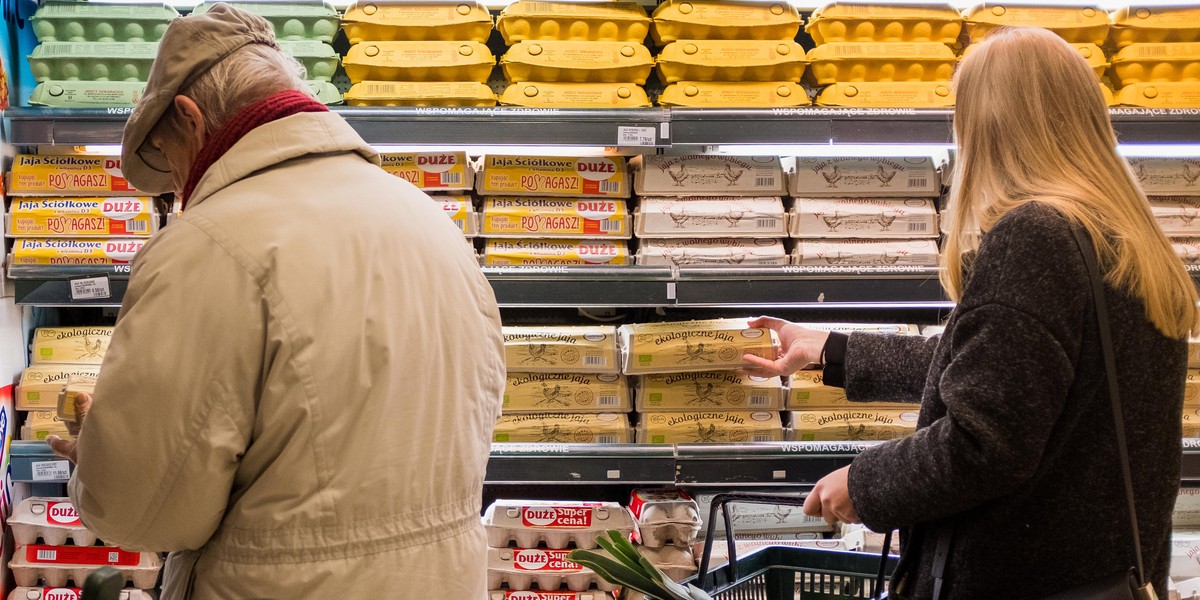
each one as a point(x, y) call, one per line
point(391, 93)
point(461, 211)
point(853, 424)
point(909, 94)
point(419, 61)
point(561, 349)
point(417, 21)
point(852, 62)
point(526, 393)
point(1160, 95)
point(708, 390)
point(1155, 25)
point(555, 217)
point(714, 94)
point(535, 251)
point(1157, 63)
point(723, 20)
point(1074, 23)
point(855, 22)
point(564, 428)
point(607, 21)
point(807, 391)
point(577, 62)
point(575, 95)
point(715, 427)
point(731, 60)
point(431, 171)
point(1090, 52)
point(70, 345)
point(565, 176)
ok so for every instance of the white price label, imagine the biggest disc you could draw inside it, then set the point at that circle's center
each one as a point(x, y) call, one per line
point(90, 288)
point(57, 470)
point(635, 136)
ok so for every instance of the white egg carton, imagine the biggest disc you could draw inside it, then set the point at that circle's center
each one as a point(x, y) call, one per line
point(54, 520)
point(665, 517)
point(548, 595)
point(66, 593)
point(548, 569)
point(530, 523)
point(57, 565)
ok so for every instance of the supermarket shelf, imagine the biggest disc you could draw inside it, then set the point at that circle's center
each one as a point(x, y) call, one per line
point(508, 126)
point(581, 464)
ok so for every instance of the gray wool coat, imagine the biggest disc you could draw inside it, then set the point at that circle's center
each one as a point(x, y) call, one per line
point(1015, 445)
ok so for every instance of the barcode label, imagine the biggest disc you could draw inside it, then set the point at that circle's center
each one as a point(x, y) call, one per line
point(610, 226)
point(608, 439)
point(766, 181)
point(610, 187)
point(608, 401)
point(766, 223)
point(594, 361)
point(763, 436)
point(915, 182)
point(760, 400)
point(47, 555)
point(136, 226)
point(919, 226)
point(451, 178)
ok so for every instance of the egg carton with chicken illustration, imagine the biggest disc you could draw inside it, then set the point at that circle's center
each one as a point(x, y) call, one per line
point(665, 517)
point(854, 253)
point(417, 22)
point(868, 177)
point(557, 525)
point(684, 252)
point(548, 595)
point(562, 349)
point(53, 520)
point(548, 569)
point(57, 566)
point(69, 593)
point(1177, 216)
point(711, 175)
point(710, 216)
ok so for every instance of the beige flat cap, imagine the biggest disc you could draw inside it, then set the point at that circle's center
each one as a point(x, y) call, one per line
point(190, 47)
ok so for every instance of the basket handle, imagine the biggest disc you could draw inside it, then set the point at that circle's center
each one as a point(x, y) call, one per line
point(721, 502)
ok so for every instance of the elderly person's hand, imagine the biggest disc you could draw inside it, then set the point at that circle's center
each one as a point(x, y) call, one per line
point(66, 448)
point(830, 498)
point(801, 347)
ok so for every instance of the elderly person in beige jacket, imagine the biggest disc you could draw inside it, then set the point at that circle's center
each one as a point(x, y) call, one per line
point(300, 392)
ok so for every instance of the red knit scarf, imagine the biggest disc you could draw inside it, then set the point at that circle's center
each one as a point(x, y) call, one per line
point(271, 108)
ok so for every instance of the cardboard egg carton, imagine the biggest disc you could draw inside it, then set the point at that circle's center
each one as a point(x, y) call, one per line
point(708, 175)
point(58, 565)
point(53, 520)
point(97, 22)
point(689, 346)
point(65, 593)
point(716, 216)
point(523, 568)
point(416, 22)
point(291, 21)
point(719, 20)
point(854, 22)
point(865, 177)
point(548, 595)
point(530, 523)
point(566, 392)
point(573, 62)
point(561, 349)
point(70, 345)
point(686, 252)
point(665, 517)
point(417, 93)
point(431, 171)
point(419, 61)
point(573, 21)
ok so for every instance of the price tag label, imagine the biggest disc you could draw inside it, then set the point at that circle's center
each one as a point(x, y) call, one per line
point(56, 470)
point(635, 136)
point(90, 288)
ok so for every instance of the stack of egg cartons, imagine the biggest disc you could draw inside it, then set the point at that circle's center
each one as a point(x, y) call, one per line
point(305, 30)
point(865, 212)
point(564, 385)
point(554, 210)
point(71, 210)
point(447, 177)
point(419, 54)
point(1157, 62)
point(61, 359)
point(710, 210)
point(881, 55)
point(668, 522)
point(575, 54)
point(529, 540)
point(822, 413)
point(42, 527)
point(729, 54)
point(689, 389)
point(1084, 27)
point(95, 54)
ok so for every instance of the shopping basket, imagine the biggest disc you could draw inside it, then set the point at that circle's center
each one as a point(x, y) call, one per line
point(785, 573)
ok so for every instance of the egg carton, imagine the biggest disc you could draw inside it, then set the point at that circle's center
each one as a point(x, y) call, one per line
point(97, 22)
point(1157, 63)
point(615, 21)
point(548, 595)
point(419, 61)
point(556, 524)
point(439, 94)
point(92, 61)
point(417, 22)
point(576, 62)
point(1155, 25)
point(58, 565)
point(291, 21)
point(548, 569)
point(731, 60)
point(65, 593)
point(721, 20)
point(848, 62)
point(575, 95)
point(855, 22)
point(53, 520)
point(665, 517)
point(739, 94)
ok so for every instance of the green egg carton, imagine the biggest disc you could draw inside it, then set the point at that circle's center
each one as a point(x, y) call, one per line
point(326, 92)
point(92, 61)
point(87, 22)
point(292, 21)
point(87, 94)
point(318, 58)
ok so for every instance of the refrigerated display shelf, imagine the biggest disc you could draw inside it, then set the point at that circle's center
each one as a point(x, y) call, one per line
point(628, 128)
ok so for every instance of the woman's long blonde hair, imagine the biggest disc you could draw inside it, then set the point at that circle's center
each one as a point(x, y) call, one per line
point(1031, 125)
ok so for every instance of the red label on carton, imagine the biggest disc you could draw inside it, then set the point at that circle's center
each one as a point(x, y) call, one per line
point(533, 559)
point(81, 555)
point(62, 513)
point(557, 516)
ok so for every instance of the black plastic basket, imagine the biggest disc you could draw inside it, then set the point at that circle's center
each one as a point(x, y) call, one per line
point(785, 573)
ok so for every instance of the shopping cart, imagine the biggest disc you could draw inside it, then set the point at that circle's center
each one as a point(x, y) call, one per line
point(785, 573)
